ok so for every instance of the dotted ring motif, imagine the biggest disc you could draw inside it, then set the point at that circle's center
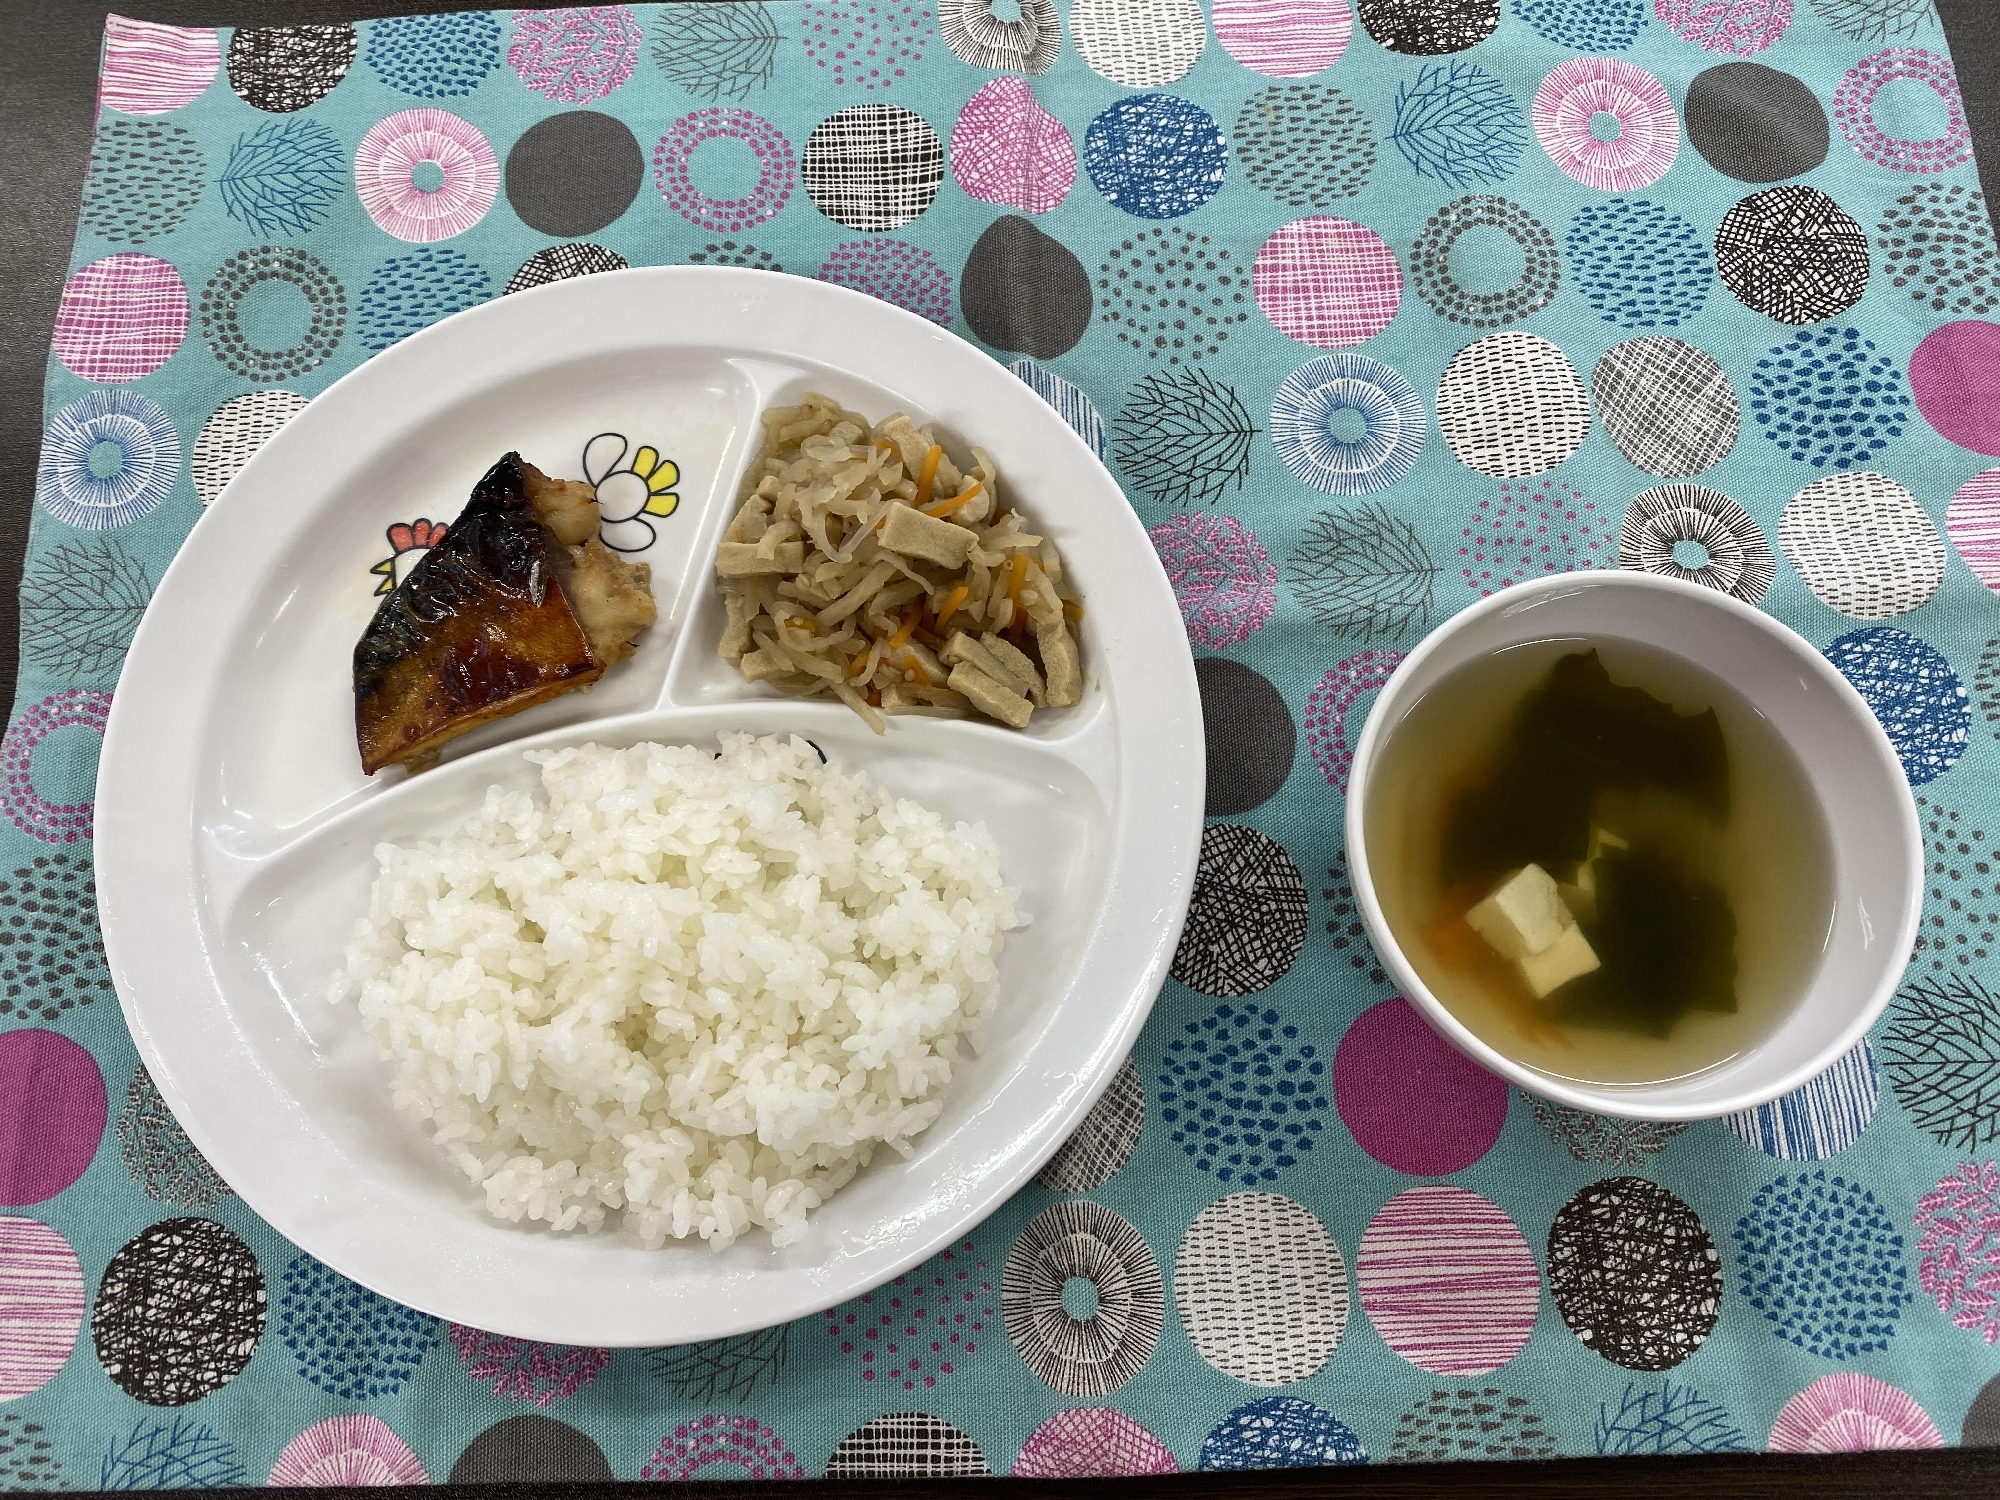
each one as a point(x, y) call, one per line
point(1854, 105)
point(1430, 262)
point(1740, 560)
point(1083, 1356)
point(776, 169)
point(26, 808)
point(237, 276)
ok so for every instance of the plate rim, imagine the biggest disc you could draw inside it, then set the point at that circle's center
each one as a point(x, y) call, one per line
point(1174, 749)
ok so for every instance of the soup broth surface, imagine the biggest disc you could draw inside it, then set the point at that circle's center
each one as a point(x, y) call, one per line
point(1715, 859)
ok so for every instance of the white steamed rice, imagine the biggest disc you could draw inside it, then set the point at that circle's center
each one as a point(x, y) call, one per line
point(701, 990)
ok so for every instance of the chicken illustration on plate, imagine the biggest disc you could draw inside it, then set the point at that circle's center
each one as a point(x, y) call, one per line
point(519, 601)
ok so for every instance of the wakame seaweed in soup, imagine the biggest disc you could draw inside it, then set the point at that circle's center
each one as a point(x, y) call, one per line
point(1601, 859)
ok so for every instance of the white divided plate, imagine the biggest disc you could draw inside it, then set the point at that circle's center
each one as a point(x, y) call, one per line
point(235, 829)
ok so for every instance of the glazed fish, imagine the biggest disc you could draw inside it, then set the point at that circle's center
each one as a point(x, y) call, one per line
point(519, 603)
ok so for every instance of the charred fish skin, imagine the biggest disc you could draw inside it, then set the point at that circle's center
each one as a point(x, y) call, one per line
point(480, 629)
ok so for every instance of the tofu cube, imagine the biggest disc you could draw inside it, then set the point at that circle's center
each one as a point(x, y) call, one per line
point(1568, 957)
point(1524, 915)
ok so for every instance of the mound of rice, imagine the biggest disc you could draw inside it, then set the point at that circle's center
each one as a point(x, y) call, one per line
point(701, 989)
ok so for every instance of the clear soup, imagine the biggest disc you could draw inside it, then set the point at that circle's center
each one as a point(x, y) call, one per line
point(1601, 859)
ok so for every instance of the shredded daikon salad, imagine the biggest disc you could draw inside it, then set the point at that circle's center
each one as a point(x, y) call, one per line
point(865, 563)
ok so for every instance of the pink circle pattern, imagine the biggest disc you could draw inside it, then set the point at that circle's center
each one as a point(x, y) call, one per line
point(121, 318)
point(1739, 27)
point(1327, 282)
point(1092, 1442)
point(1973, 523)
point(52, 1110)
point(1007, 149)
point(577, 54)
point(1224, 581)
point(895, 271)
point(1955, 378)
point(41, 1286)
point(523, 1370)
point(385, 165)
point(1852, 1413)
point(777, 169)
point(1448, 1281)
point(913, 1332)
point(351, 1450)
point(859, 42)
point(1649, 133)
point(1532, 530)
point(1284, 38)
point(737, 1441)
point(1329, 703)
point(26, 808)
point(1854, 106)
point(1959, 1247)
point(1412, 1100)
point(150, 69)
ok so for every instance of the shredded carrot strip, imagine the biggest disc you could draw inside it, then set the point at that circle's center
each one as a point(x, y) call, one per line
point(874, 697)
point(946, 507)
point(929, 476)
point(859, 665)
point(1072, 610)
point(1017, 574)
point(904, 630)
point(951, 603)
point(917, 672)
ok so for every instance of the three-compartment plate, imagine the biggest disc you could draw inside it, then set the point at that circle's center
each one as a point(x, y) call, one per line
point(235, 830)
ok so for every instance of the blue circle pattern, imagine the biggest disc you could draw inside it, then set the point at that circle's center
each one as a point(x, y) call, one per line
point(67, 482)
point(1639, 265)
point(435, 57)
point(415, 291)
point(1913, 691)
point(1819, 1118)
point(1280, 1432)
point(1156, 156)
point(1071, 404)
point(349, 1342)
point(1827, 397)
point(1388, 406)
point(1585, 25)
point(1244, 1096)
point(1823, 1263)
point(283, 177)
point(1457, 123)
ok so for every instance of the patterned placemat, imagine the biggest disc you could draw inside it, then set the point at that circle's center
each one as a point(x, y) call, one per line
point(1372, 309)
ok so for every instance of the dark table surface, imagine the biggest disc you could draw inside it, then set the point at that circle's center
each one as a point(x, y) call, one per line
point(48, 72)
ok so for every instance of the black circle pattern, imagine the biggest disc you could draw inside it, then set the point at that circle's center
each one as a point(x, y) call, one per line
point(51, 958)
point(1172, 294)
point(1248, 732)
point(145, 179)
point(1634, 1273)
point(1754, 123)
point(235, 277)
point(574, 173)
point(1471, 1422)
point(1430, 262)
point(531, 1449)
point(1098, 1149)
point(27, 1456)
point(179, 1312)
point(561, 262)
point(1345, 930)
point(1248, 917)
point(279, 69)
point(1793, 254)
point(1937, 242)
point(906, 1445)
point(873, 166)
point(735, 253)
point(1738, 560)
point(157, 1152)
point(1090, 1356)
point(1304, 143)
point(1428, 28)
point(1986, 684)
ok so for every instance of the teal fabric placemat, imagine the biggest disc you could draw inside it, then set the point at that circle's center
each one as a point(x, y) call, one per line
point(1372, 309)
